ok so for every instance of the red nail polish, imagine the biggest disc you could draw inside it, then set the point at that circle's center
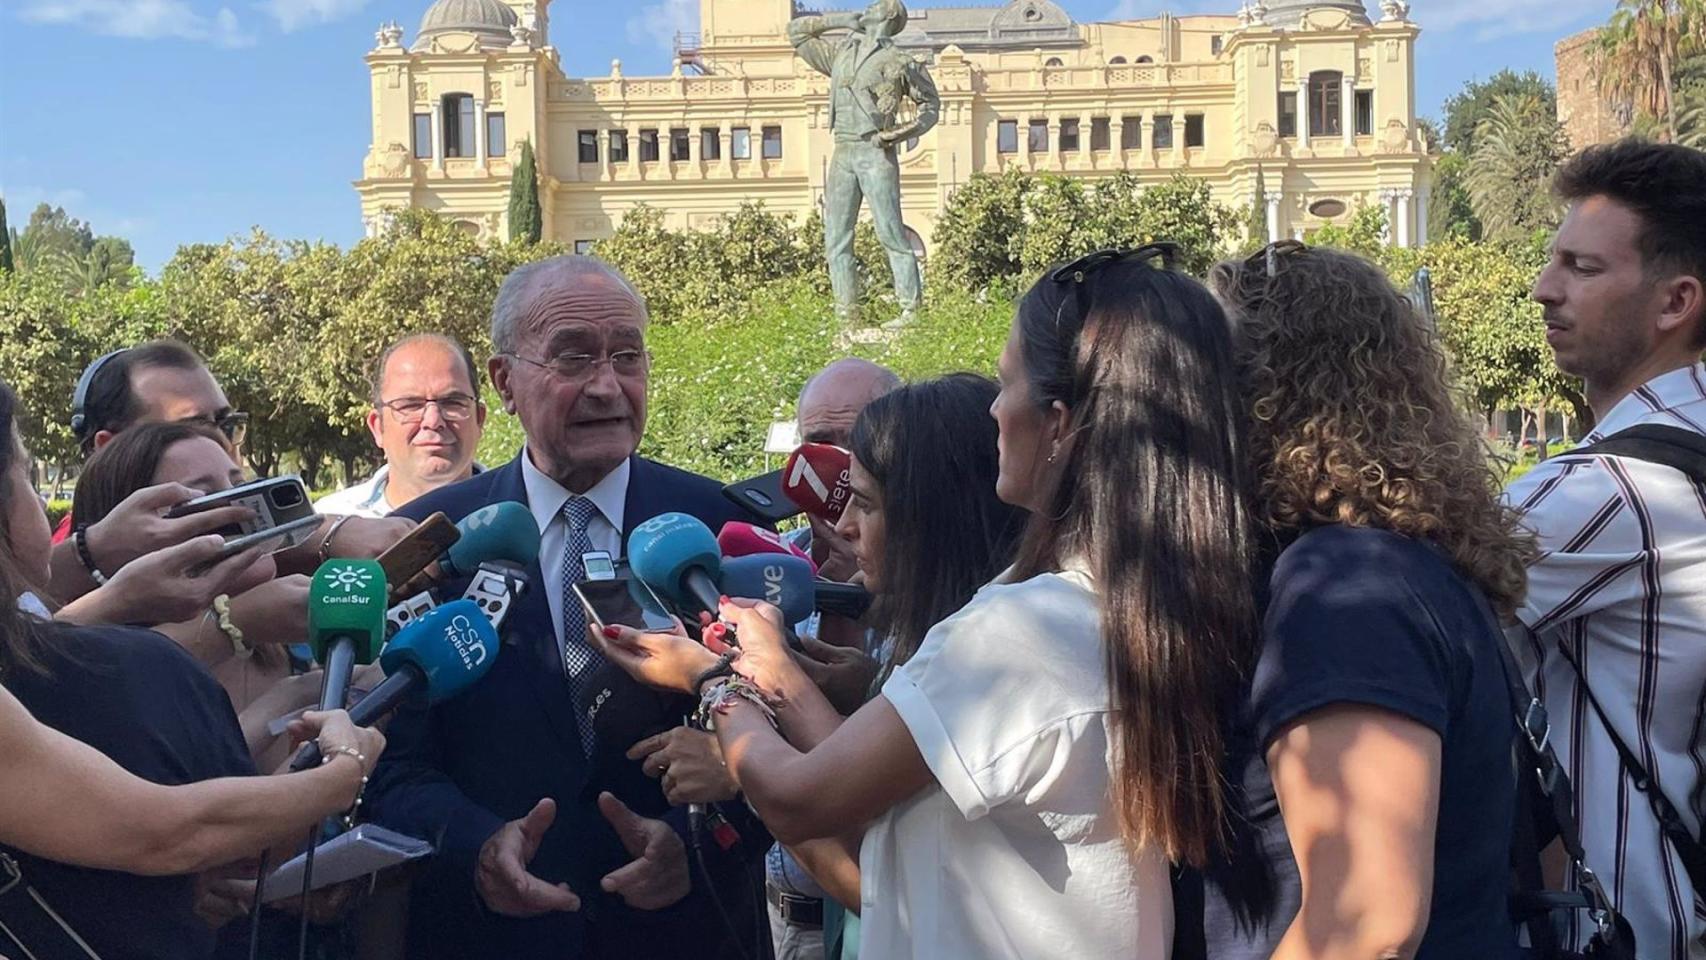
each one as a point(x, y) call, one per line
point(612, 632)
point(723, 599)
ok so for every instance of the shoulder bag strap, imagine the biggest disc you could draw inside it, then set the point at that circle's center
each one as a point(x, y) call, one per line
point(29, 925)
point(1673, 447)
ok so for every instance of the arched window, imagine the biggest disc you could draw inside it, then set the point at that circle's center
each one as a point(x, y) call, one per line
point(458, 125)
point(1146, 58)
point(1325, 103)
point(1053, 62)
point(1117, 61)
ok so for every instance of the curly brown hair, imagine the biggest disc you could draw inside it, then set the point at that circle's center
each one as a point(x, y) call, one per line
point(1354, 416)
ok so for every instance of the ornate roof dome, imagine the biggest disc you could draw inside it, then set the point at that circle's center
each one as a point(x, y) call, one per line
point(489, 20)
point(1289, 13)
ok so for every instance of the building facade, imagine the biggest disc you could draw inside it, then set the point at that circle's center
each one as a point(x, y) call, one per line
point(1307, 106)
point(1588, 116)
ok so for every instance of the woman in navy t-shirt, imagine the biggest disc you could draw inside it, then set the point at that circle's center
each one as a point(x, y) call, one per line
point(1374, 748)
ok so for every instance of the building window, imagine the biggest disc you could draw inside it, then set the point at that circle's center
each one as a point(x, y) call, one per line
point(710, 143)
point(772, 144)
point(649, 145)
point(583, 247)
point(1146, 58)
point(1053, 62)
point(1288, 114)
point(1216, 44)
point(586, 146)
point(1007, 136)
point(1069, 135)
point(1131, 133)
point(1325, 102)
point(497, 145)
point(458, 125)
point(740, 143)
point(1365, 112)
point(618, 146)
point(1193, 130)
point(679, 144)
point(1163, 136)
point(1098, 133)
point(423, 136)
point(1037, 141)
point(1117, 61)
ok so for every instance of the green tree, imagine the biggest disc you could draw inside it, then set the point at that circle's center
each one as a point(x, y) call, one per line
point(53, 231)
point(1183, 210)
point(1364, 233)
point(526, 223)
point(1466, 109)
point(979, 237)
point(1449, 208)
point(1639, 49)
point(1056, 213)
point(6, 265)
point(654, 258)
point(1518, 148)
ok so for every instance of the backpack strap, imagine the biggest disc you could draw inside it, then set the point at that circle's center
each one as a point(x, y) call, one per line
point(1673, 447)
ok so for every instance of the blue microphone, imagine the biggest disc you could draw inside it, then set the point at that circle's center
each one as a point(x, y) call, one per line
point(676, 555)
point(444, 652)
point(779, 579)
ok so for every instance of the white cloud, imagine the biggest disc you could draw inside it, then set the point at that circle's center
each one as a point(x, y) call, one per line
point(141, 19)
point(658, 23)
point(296, 14)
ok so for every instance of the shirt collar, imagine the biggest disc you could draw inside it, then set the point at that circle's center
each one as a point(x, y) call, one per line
point(376, 487)
point(545, 496)
point(1666, 391)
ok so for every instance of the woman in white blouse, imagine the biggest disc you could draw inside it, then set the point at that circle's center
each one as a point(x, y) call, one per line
point(1021, 783)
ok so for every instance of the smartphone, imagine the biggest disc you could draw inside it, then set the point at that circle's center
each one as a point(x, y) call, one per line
point(763, 497)
point(282, 532)
point(275, 501)
point(625, 601)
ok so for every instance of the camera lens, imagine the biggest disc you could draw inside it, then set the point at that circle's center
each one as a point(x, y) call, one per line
point(286, 497)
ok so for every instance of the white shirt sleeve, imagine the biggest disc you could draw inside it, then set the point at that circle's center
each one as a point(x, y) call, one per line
point(1592, 538)
point(1008, 695)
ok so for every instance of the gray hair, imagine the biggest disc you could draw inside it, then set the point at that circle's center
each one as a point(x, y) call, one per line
point(514, 296)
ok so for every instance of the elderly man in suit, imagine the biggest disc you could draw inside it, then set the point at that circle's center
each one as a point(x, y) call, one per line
point(870, 79)
point(551, 842)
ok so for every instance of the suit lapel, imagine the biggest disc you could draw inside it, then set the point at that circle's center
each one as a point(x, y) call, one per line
point(533, 633)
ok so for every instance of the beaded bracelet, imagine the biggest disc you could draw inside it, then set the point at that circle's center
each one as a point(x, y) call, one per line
point(327, 756)
point(721, 695)
point(80, 540)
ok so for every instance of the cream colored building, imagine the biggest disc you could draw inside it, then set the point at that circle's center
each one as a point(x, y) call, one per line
point(1309, 99)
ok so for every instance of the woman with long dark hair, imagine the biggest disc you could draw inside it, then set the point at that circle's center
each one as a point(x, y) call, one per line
point(134, 696)
point(1025, 777)
point(1375, 743)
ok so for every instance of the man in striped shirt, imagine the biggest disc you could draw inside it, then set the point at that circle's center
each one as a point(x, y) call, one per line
point(1620, 585)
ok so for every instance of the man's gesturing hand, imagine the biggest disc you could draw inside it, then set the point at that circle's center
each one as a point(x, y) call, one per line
point(501, 876)
point(658, 875)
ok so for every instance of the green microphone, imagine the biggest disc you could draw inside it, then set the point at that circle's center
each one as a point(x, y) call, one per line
point(346, 622)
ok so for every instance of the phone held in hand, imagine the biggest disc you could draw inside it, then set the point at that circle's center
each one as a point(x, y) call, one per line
point(624, 601)
point(274, 501)
point(762, 496)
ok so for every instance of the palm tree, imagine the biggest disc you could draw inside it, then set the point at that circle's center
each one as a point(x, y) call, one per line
point(1518, 147)
point(1638, 48)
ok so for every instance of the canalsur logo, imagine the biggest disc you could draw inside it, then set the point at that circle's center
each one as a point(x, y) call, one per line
point(348, 579)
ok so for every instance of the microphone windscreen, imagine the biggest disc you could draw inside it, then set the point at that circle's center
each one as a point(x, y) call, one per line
point(348, 598)
point(453, 645)
point(663, 549)
point(816, 479)
point(738, 539)
point(498, 531)
point(778, 579)
point(623, 711)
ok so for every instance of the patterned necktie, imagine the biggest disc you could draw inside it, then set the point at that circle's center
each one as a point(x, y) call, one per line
point(580, 660)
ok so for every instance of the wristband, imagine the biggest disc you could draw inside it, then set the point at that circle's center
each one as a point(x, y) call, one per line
point(80, 540)
point(722, 694)
point(326, 542)
point(725, 667)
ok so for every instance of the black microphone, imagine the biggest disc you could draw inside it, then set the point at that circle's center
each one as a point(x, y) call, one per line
point(841, 599)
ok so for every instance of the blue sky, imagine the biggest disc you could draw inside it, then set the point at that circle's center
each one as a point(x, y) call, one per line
point(181, 121)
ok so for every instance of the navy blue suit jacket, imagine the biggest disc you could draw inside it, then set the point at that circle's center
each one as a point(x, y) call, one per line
point(457, 772)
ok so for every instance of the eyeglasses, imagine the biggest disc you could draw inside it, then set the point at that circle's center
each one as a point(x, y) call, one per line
point(1082, 268)
point(234, 424)
point(454, 408)
point(581, 366)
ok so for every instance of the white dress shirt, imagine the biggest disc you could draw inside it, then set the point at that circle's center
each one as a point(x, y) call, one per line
point(546, 497)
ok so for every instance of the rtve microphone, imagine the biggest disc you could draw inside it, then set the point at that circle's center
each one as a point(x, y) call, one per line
point(346, 622)
point(498, 531)
point(816, 479)
point(676, 555)
point(444, 652)
point(779, 579)
point(738, 539)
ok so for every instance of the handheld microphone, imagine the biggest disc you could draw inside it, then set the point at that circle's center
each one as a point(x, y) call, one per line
point(624, 711)
point(444, 652)
point(346, 622)
point(738, 539)
point(676, 555)
point(778, 579)
point(842, 599)
point(816, 478)
point(498, 531)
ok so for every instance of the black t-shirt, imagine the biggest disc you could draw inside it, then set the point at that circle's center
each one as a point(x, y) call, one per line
point(1364, 616)
point(137, 697)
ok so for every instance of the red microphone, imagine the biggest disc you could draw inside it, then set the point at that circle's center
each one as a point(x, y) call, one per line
point(738, 539)
point(816, 479)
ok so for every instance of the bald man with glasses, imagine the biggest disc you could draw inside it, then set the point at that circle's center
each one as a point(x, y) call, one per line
point(427, 419)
